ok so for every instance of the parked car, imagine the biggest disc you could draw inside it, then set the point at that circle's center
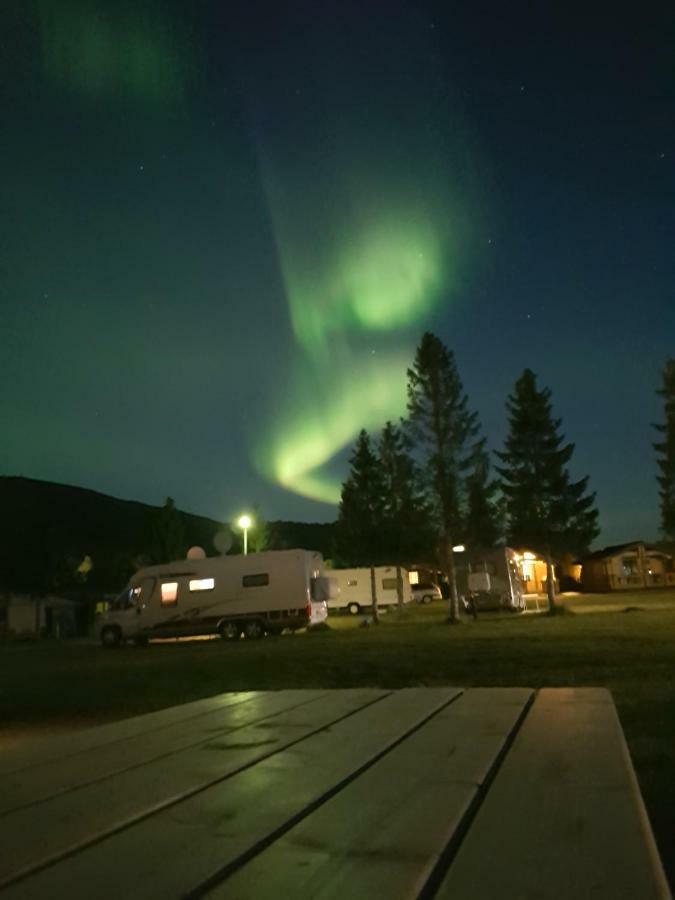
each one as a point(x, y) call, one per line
point(426, 591)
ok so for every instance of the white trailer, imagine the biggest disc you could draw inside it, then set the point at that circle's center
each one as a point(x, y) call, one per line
point(490, 579)
point(355, 588)
point(228, 595)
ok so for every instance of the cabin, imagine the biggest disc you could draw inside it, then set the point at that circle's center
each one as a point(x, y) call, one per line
point(624, 567)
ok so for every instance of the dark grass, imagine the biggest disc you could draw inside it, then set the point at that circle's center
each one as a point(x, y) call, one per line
point(51, 685)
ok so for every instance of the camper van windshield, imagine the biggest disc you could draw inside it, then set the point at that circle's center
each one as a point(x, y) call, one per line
point(124, 600)
point(127, 599)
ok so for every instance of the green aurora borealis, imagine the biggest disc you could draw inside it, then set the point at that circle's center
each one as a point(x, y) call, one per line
point(132, 51)
point(370, 233)
point(225, 227)
point(364, 213)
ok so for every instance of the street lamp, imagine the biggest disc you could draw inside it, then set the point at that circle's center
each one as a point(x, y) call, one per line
point(244, 522)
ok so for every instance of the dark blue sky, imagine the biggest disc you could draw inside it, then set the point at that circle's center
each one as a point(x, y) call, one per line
point(182, 186)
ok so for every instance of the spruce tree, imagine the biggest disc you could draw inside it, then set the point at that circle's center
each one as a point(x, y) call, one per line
point(665, 450)
point(544, 509)
point(359, 528)
point(406, 533)
point(482, 526)
point(442, 428)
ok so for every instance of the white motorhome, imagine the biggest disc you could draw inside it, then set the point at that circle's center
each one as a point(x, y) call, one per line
point(355, 588)
point(490, 579)
point(228, 595)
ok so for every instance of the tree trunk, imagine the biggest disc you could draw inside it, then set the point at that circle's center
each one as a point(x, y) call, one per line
point(399, 588)
point(373, 595)
point(550, 584)
point(454, 595)
point(449, 567)
point(38, 617)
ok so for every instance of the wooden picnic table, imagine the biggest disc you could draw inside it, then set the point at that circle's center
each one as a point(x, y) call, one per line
point(365, 793)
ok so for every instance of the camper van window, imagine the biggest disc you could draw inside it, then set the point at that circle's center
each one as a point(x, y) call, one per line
point(388, 584)
point(124, 600)
point(256, 580)
point(169, 592)
point(352, 582)
point(202, 584)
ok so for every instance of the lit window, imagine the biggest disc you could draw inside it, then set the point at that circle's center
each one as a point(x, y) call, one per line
point(169, 592)
point(630, 565)
point(256, 580)
point(414, 577)
point(202, 584)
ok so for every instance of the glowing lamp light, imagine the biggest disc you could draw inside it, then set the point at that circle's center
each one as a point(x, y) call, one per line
point(245, 522)
point(458, 548)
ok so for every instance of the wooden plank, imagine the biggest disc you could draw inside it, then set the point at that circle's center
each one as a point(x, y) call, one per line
point(44, 831)
point(384, 833)
point(47, 749)
point(58, 776)
point(176, 850)
point(564, 817)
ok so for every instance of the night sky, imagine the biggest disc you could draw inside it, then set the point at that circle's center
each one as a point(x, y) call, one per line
point(224, 228)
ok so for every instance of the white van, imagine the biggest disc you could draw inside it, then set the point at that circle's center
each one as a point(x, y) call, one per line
point(228, 595)
point(355, 591)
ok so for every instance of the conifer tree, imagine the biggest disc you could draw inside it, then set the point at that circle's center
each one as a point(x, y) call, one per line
point(360, 524)
point(665, 449)
point(406, 533)
point(482, 526)
point(442, 428)
point(544, 509)
point(359, 528)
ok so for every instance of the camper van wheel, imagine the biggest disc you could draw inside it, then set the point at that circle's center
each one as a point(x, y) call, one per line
point(427, 599)
point(253, 630)
point(230, 631)
point(354, 609)
point(111, 636)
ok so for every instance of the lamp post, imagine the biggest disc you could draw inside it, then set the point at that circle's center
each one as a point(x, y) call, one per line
point(244, 522)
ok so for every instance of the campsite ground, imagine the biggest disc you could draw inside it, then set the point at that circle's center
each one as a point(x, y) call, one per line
point(625, 642)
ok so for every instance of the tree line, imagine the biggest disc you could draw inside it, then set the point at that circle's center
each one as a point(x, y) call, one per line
point(427, 484)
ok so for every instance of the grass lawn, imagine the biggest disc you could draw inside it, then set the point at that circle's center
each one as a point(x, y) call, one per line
point(624, 642)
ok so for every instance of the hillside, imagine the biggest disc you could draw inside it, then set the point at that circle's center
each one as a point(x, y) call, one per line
point(46, 529)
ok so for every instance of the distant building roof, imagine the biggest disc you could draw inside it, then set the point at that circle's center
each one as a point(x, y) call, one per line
point(621, 548)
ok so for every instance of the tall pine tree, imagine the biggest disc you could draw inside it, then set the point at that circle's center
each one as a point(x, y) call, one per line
point(407, 536)
point(665, 450)
point(360, 524)
point(359, 528)
point(482, 525)
point(442, 428)
point(544, 509)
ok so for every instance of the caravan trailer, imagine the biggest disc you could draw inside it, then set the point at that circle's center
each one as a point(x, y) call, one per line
point(262, 593)
point(355, 588)
point(490, 579)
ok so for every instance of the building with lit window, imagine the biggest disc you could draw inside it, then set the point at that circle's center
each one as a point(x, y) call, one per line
point(626, 567)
